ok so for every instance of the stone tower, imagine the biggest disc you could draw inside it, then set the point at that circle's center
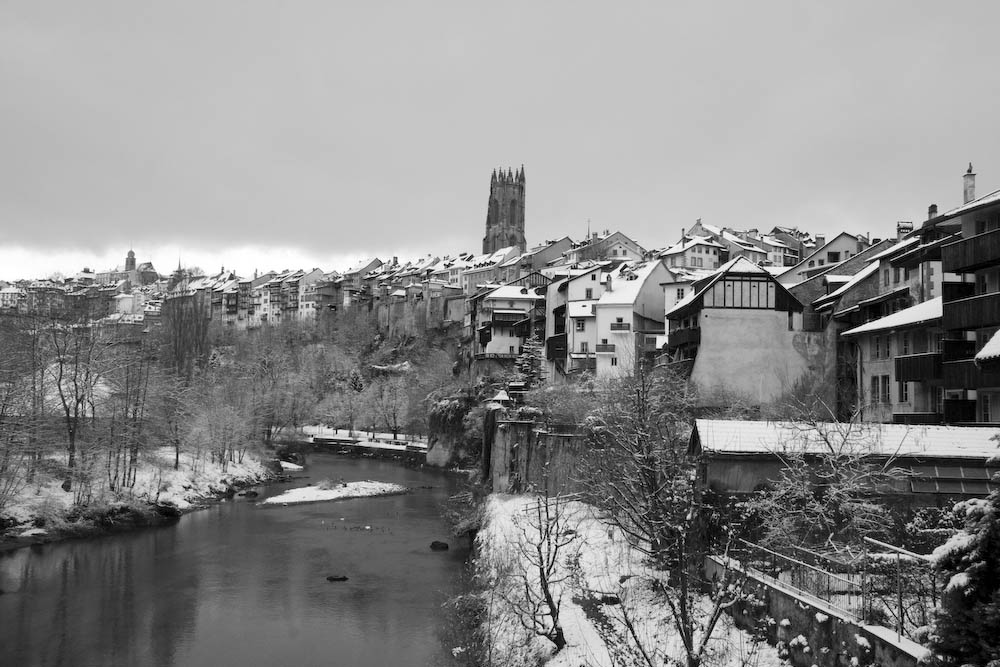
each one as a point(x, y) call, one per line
point(505, 215)
point(130, 261)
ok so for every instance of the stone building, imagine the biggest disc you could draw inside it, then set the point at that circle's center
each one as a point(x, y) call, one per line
point(505, 214)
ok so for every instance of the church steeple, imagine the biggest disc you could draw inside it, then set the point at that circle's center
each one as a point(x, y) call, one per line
point(505, 211)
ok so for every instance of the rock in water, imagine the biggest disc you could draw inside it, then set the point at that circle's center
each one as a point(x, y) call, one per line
point(439, 546)
point(336, 577)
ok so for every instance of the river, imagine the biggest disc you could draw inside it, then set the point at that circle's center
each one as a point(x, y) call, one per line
point(243, 584)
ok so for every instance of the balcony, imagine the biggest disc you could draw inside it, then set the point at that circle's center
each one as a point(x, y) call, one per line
point(581, 365)
point(918, 367)
point(966, 375)
point(555, 347)
point(494, 356)
point(972, 313)
point(690, 336)
point(621, 326)
point(952, 291)
point(957, 350)
point(507, 317)
point(916, 418)
point(968, 255)
point(604, 347)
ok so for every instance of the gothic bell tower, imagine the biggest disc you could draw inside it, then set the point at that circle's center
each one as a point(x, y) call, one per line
point(505, 212)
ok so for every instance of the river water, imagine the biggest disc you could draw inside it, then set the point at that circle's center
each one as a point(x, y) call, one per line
point(244, 584)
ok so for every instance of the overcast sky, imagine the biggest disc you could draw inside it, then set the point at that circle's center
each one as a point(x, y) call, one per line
point(275, 135)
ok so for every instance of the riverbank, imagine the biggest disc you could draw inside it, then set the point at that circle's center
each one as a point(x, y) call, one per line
point(42, 512)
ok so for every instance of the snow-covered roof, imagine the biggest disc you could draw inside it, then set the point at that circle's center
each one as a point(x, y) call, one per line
point(580, 308)
point(757, 437)
point(514, 292)
point(855, 279)
point(985, 200)
point(893, 249)
point(991, 350)
point(690, 243)
point(908, 317)
point(627, 282)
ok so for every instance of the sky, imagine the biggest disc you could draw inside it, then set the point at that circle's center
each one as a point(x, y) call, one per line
point(271, 135)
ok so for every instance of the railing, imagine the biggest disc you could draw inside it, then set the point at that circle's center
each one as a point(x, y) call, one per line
point(966, 375)
point(957, 350)
point(621, 326)
point(605, 347)
point(917, 418)
point(972, 312)
point(684, 336)
point(918, 367)
point(480, 356)
point(973, 253)
point(952, 291)
point(886, 585)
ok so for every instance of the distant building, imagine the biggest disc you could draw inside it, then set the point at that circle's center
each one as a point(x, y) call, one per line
point(505, 212)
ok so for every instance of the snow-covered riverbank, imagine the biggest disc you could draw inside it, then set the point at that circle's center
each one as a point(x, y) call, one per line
point(602, 587)
point(43, 511)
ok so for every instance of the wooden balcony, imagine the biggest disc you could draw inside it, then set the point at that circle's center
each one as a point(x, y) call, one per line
point(604, 347)
point(621, 326)
point(918, 367)
point(952, 291)
point(966, 375)
point(555, 347)
point(917, 418)
point(581, 365)
point(957, 350)
point(496, 356)
point(975, 252)
point(973, 312)
point(958, 410)
point(691, 336)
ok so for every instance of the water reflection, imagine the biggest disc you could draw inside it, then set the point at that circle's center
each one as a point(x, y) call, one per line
point(244, 584)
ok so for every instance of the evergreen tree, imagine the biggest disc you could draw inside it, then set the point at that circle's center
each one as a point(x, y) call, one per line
point(967, 628)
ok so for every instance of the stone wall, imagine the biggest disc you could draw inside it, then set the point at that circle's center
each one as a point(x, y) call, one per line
point(813, 632)
point(524, 457)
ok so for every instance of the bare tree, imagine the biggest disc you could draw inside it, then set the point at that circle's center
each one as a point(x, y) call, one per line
point(639, 473)
point(548, 545)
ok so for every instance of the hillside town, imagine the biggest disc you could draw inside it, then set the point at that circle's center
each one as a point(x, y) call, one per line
point(899, 329)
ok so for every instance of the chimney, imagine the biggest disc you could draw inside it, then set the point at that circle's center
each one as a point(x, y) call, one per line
point(969, 181)
point(932, 211)
point(903, 227)
point(820, 240)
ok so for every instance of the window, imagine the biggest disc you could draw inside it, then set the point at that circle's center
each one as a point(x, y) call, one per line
point(874, 347)
point(619, 320)
point(811, 263)
point(580, 324)
point(588, 293)
point(940, 400)
point(604, 341)
point(885, 277)
point(680, 293)
point(593, 276)
point(895, 275)
point(584, 347)
point(985, 408)
point(906, 274)
point(791, 321)
point(887, 353)
point(512, 349)
point(833, 257)
point(614, 361)
point(904, 392)
point(697, 261)
point(905, 343)
point(874, 392)
point(884, 389)
point(614, 252)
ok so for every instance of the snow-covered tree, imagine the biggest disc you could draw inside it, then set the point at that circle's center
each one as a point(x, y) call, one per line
point(967, 628)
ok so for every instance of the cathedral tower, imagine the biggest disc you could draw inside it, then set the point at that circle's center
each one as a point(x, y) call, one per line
point(505, 214)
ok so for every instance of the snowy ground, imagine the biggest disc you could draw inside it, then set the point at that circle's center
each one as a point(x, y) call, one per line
point(597, 566)
point(156, 481)
point(314, 494)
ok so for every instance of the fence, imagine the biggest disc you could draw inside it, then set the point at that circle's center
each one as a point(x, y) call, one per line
point(891, 587)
